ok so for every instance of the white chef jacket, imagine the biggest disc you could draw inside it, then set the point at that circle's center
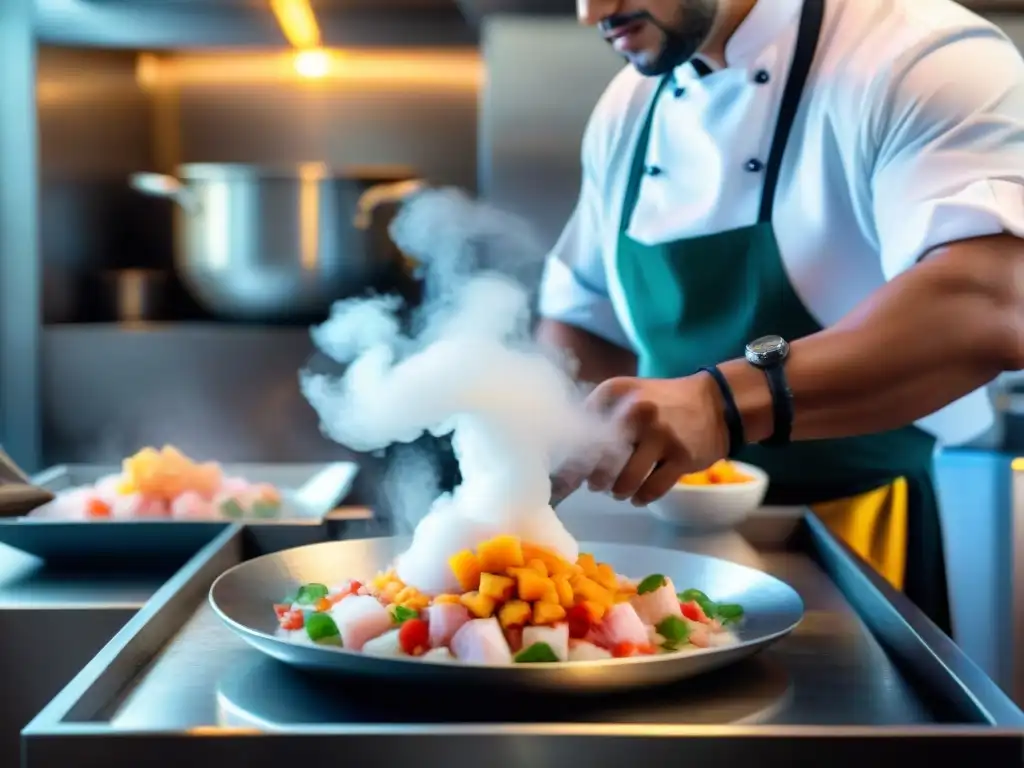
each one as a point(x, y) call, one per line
point(910, 135)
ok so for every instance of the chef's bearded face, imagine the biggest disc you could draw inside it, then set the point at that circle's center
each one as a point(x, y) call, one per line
point(655, 36)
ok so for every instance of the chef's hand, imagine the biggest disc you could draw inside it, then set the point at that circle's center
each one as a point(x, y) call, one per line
point(675, 427)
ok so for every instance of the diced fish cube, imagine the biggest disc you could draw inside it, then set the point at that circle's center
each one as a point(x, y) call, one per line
point(385, 646)
point(444, 620)
point(481, 641)
point(580, 650)
point(622, 624)
point(359, 620)
point(654, 607)
point(557, 638)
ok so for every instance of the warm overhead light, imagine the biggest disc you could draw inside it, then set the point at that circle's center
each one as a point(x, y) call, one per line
point(298, 22)
point(313, 64)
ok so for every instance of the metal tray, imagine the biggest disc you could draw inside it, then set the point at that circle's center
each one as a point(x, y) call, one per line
point(86, 542)
point(242, 595)
point(865, 677)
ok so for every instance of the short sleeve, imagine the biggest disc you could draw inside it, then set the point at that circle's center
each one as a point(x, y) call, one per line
point(574, 288)
point(949, 138)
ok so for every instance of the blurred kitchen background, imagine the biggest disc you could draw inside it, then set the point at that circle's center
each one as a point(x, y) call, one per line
point(104, 348)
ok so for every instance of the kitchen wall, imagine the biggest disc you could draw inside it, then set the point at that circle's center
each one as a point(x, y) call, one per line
point(215, 390)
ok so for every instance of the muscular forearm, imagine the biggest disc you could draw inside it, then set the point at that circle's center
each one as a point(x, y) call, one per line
point(597, 359)
point(937, 332)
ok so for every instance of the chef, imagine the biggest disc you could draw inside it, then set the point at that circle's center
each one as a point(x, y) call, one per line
point(797, 244)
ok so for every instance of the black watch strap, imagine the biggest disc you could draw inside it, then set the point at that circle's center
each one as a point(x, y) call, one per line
point(730, 412)
point(782, 405)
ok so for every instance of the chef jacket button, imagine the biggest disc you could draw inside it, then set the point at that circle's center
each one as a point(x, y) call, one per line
point(761, 76)
point(679, 92)
point(652, 170)
point(754, 165)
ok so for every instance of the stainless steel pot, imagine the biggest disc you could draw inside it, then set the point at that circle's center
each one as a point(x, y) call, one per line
point(259, 243)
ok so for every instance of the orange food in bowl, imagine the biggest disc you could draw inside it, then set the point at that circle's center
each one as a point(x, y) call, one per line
point(720, 473)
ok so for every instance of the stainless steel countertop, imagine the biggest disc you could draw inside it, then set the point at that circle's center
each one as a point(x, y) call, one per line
point(28, 583)
point(831, 671)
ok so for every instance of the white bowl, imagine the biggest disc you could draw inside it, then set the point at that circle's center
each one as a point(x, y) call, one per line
point(713, 507)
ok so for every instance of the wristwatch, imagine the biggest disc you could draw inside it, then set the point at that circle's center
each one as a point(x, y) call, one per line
point(769, 353)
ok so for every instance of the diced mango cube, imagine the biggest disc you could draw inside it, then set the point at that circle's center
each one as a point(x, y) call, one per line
point(596, 610)
point(418, 603)
point(501, 588)
point(553, 562)
point(499, 554)
point(452, 599)
point(587, 589)
point(514, 613)
point(605, 576)
point(479, 605)
point(587, 563)
point(551, 594)
point(538, 565)
point(564, 590)
point(466, 567)
point(547, 613)
point(529, 584)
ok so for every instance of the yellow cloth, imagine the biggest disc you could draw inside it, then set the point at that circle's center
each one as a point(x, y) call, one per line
point(874, 525)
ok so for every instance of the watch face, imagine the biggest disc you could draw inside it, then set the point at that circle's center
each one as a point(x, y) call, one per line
point(767, 350)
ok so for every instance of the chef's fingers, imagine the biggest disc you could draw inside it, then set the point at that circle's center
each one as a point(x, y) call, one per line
point(604, 474)
point(563, 486)
point(645, 458)
point(607, 395)
point(661, 481)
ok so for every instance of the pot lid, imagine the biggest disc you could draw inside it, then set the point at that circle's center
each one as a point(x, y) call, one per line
point(313, 171)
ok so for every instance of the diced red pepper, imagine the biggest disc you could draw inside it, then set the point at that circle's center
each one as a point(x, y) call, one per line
point(414, 637)
point(622, 650)
point(580, 621)
point(281, 609)
point(352, 589)
point(97, 508)
point(293, 620)
point(514, 638)
point(323, 604)
point(692, 611)
point(646, 650)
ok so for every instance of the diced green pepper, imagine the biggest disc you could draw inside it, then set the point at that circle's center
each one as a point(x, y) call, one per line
point(310, 593)
point(696, 596)
point(265, 509)
point(400, 614)
point(536, 654)
point(729, 612)
point(321, 629)
point(232, 509)
point(675, 631)
point(651, 583)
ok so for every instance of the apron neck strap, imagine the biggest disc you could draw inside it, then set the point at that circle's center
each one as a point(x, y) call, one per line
point(808, 35)
point(638, 166)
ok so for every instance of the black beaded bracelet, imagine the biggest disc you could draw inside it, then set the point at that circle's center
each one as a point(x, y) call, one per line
point(733, 421)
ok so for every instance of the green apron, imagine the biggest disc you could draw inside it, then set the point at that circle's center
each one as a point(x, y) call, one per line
point(696, 302)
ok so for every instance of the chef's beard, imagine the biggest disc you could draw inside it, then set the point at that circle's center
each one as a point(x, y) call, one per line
point(683, 39)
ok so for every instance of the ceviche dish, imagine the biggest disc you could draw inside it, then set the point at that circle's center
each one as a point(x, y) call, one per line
point(516, 603)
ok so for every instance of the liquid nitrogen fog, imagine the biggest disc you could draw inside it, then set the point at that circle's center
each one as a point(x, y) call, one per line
point(469, 369)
